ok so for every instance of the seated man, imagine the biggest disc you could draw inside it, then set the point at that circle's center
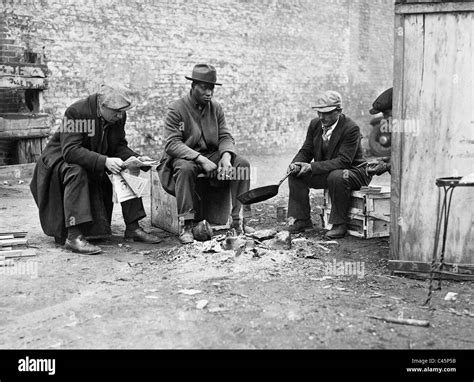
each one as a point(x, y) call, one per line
point(198, 140)
point(70, 183)
point(382, 104)
point(333, 144)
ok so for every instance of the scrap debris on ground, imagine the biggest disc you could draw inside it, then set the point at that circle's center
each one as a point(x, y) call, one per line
point(268, 289)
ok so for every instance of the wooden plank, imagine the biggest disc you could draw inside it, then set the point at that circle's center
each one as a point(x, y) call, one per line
point(16, 82)
point(10, 242)
point(444, 7)
point(17, 171)
point(9, 122)
point(6, 236)
point(437, 276)
point(23, 70)
point(439, 57)
point(15, 234)
point(24, 134)
point(410, 175)
point(29, 150)
point(18, 253)
point(395, 182)
point(419, 266)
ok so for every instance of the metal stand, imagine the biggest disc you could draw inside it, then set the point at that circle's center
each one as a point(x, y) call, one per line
point(448, 185)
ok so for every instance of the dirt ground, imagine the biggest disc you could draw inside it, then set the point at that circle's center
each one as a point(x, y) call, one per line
point(141, 296)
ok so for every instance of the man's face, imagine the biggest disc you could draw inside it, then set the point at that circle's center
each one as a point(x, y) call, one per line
point(327, 119)
point(203, 92)
point(110, 115)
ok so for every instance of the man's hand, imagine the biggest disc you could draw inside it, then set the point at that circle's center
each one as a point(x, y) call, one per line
point(224, 167)
point(378, 168)
point(206, 164)
point(145, 158)
point(299, 168)
point(114, 165)
point(293, 168)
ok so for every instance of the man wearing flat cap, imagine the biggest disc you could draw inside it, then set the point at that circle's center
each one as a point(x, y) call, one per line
point(199, 141)
point(328, 159)
point(70, 184)
point(382, 104)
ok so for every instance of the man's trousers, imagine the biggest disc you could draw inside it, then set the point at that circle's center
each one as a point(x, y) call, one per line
point(77, 202)
point(185, 174)
point(340, 184)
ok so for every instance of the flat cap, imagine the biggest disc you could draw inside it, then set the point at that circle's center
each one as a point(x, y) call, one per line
point(383, 102)
point(116, 97)
point(328, 101)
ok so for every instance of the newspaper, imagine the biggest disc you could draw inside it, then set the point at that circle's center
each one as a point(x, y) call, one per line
point(127, 186)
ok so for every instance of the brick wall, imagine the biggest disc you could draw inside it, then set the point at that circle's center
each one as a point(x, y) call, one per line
point(272, 57)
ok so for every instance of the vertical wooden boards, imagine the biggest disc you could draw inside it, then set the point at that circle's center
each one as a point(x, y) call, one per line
point(433, 104)
point(399, 54)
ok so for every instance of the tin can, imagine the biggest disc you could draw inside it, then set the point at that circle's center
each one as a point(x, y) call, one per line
point(281, 214)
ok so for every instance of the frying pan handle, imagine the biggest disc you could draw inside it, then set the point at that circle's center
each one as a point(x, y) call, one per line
point(286, 176)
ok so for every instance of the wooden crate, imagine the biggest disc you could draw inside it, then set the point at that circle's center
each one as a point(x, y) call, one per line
point(366, 204)
point(164, 213)
point(363, 226)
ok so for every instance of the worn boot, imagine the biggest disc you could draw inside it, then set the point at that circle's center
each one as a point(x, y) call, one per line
point(186, 236)
point(240, 226)
point(337, 231)
point(300, 226)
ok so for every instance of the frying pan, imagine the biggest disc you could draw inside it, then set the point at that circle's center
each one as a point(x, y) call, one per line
point(261, 193)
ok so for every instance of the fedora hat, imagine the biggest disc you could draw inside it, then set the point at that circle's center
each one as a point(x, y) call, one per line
point(328, 101)
point(383, 102)
point(204, 73)
point(116, 97)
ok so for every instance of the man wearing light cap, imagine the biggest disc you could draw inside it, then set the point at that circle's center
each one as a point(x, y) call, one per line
point(198, 140)
point(70, 183)
point(328, 159)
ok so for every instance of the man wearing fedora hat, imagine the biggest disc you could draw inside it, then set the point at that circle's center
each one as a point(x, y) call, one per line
point(70, 183)
point(199, 141)
point(328, 159)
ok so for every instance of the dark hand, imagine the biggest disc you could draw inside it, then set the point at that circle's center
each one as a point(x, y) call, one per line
point(224, 167)
point(207, 165)
point(293, 168)
point(378, 168)
point(305, 168)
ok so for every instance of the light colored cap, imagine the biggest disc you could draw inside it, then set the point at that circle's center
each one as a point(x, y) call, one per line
point(328, 101)
point(116, 97)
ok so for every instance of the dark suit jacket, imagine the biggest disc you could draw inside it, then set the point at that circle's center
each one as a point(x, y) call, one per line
point(344, 147)
point(87, 148)
point(184, 126)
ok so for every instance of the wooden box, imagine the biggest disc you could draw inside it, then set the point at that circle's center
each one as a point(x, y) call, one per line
point(367, 204)
point(369, 213)
point(214, 206)
point(366, 227)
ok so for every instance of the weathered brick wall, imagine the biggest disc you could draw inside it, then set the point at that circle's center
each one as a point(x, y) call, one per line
point(271, 55)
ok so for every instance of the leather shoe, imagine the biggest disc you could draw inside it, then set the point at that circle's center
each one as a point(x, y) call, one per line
point(241, 226)
point(81, 245)
point(337, 231)
point(300, 226)
point(140, 235)
point(186, 236)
